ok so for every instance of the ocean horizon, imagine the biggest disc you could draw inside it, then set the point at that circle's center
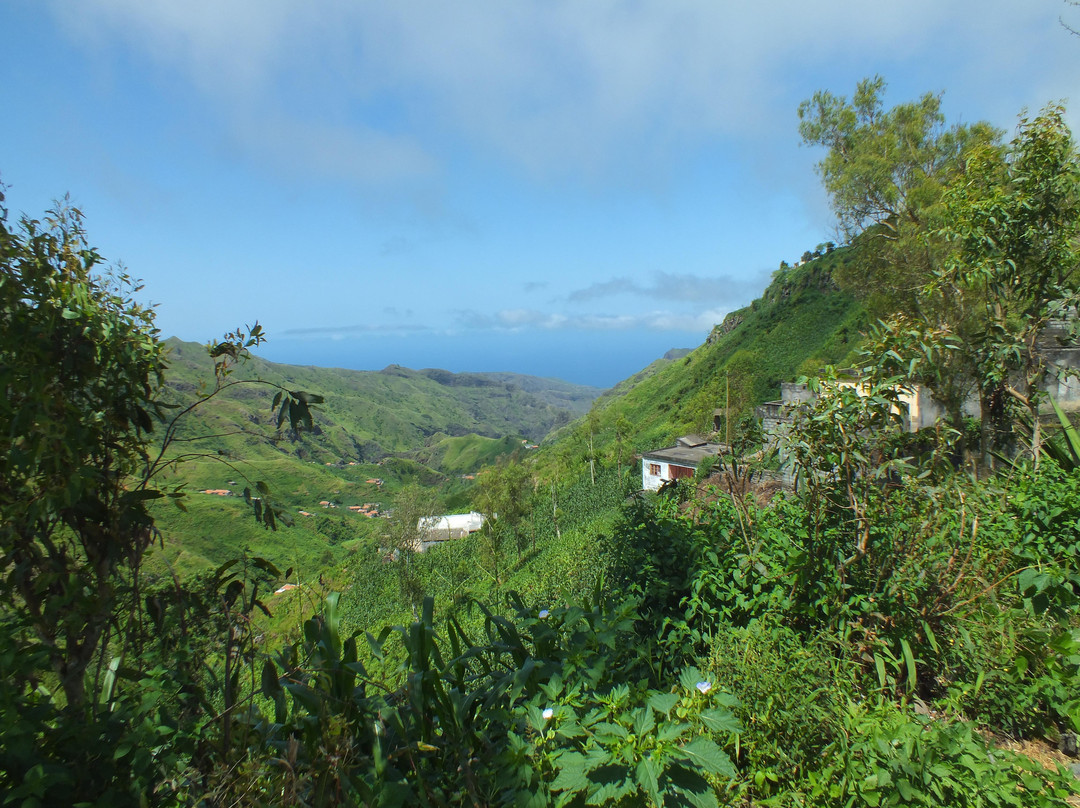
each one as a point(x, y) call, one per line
point(595, 358)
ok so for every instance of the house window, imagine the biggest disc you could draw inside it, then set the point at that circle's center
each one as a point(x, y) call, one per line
point(654, 469)
point(679, 472)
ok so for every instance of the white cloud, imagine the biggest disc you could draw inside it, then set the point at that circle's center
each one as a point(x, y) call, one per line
point(517, 320)
point(528, 318)
point(521, 319)
point(681, 287)
point(556, 87)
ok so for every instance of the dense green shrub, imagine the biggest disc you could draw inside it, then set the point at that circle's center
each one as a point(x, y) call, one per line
point(550, 707)
point(790, 693)
point(886, 755)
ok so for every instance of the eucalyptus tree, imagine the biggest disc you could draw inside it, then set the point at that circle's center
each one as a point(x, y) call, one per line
point(885, 171)
point(1015, 224)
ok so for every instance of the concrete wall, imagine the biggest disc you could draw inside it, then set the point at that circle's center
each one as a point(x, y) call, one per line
point(650, 481)
point(794, 393)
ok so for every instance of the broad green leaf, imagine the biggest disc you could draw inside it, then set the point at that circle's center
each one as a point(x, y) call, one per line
point(690, 677)
point(879, 664)
point(664, 702)
point(606, 728)
point(707, 755)
point(672, 730)
point(610, 791)
point(644, 721)
point(719, 720)
point(647, 774)
point(903, 785)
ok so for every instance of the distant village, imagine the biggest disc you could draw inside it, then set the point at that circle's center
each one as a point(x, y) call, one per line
point(920, 410)
point(682, 459)
point(369, 509)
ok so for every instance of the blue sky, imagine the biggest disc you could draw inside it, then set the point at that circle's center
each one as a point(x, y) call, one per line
point(561, 187)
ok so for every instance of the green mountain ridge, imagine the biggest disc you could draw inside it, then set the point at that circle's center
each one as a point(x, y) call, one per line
point(369, 415)
point(459, 422)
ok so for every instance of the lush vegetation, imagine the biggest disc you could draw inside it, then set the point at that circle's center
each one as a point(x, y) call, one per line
point(871, 637)
point(402, 410)
point(802, 322)
point(396, 427)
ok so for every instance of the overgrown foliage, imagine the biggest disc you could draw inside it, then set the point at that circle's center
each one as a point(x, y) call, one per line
point(548, 707)
point(81, 371)
point(857, 639)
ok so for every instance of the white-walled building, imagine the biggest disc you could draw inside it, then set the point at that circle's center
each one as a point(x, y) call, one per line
point(435, 529)
point(675, 462)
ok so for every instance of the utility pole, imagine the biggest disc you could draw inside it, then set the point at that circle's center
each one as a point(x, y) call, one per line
point(727, 409)
point(592, 459)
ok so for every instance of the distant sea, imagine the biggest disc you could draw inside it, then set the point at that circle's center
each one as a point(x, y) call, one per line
point(596, 358)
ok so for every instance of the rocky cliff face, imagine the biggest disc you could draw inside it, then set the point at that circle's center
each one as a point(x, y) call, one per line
point(732, 321)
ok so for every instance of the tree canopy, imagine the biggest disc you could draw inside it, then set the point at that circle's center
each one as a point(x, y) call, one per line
point(885, 171)
point(80, 372)
point(1016, 225)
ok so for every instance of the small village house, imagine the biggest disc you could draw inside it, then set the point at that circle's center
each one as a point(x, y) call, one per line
point(675, 462)
point(436, 529)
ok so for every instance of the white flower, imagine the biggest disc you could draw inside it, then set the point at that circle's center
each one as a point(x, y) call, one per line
point(704, 687)
point(548, 713)
point(544, 613)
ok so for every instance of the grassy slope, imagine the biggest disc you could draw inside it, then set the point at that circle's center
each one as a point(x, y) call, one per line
point(800, 322)
point(369, 414)
point(441, 426)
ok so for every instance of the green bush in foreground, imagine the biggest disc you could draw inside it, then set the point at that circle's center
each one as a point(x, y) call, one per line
point(888, 756)
point(550, 707)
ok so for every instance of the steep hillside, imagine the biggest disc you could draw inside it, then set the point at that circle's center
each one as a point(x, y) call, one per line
point(559, 394)
point(801, 322)
point(368, 415)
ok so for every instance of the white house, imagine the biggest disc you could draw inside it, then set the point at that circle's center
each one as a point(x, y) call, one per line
point(675, 462)
point(435, 529)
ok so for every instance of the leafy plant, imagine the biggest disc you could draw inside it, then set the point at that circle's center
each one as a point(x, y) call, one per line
point(81, 369)
point(548, 704)
point(790, 694)
point(885, 756)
